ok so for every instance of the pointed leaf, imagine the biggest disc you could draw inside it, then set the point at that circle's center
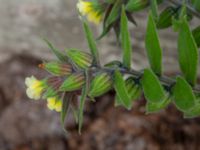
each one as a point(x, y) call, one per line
point(196, 35)
point(91, 43)
point(121, 90)
point(82, 101)
point(58, 53)
point(125, 40)
point(153, 90)
point(133, 89)
point(153, 48)
point(165, 18)
point(114, 13)
point(136, 5)
point(187, 52)
point(67, 97)
point(154, 9)
point(183, 95)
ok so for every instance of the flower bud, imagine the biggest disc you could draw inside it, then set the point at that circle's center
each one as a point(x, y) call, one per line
point(81, 59)
point(74, 82)
point(133, 89)
point(57, 68)
point(101, 84)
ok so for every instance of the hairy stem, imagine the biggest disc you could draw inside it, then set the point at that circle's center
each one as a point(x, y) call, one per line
point(166, 81)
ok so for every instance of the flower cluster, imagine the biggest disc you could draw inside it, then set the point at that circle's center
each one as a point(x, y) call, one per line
point(67, 77)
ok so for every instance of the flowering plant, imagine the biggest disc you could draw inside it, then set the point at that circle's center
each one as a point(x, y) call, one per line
point(78, 75)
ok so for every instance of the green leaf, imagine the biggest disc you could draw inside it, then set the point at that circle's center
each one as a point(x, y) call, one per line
point(154, 9)
point(153, 48)
point(187, 52)
point(165, 18)
point(196, 35)
point(114, 13)
point(197, 5)
point(110, 1)
point(125, 40)
point(183, 95)
point(133, 89)
point(82, 101)
point(136, 5)
point(66, 100)
point(195, 111)
point(121, 90)
point(58, 53)
point(153, 90)
point(155, 107)
point(91, 43)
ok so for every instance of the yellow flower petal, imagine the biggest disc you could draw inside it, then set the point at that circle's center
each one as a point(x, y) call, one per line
point(87, 9)
point(53, 103)
point(34, 87)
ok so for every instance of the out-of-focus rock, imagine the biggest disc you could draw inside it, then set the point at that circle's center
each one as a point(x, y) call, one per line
point(24, 122)
point(25, 22)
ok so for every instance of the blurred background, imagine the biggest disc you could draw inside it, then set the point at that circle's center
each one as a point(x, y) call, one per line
point(29, 125)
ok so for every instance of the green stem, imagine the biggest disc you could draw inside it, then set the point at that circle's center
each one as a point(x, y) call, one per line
point(166, 81)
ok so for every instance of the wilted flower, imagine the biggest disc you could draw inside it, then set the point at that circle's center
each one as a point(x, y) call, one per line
point(34, 87)
point(54, 103)
point(93, 10)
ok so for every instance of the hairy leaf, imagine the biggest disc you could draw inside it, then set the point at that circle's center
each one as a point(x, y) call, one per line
point(153, 48)
point(121, 90)
point(183, 95)
point(82, 101)
point(153, 90)
point(187, 52)
point(133, 89)
point(58, 53)
point(91, 43)
point(67, 98)
point(154, 9)
point(114, 14)
point(125, 40)
point(136, 5)
point(165, 18)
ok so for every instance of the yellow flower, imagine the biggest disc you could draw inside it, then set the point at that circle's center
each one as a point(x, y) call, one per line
point(91, 10)
point(53, 103)
point(34, 87)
